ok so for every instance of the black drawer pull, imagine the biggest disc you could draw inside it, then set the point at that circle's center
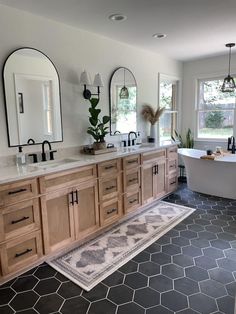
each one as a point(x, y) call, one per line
point(172, 166)
point(109, 167)
point(132, 201)
point(23, 253)
point(110, 211)
point(173, 183)
point(110, 187)
point(132, 180)
point(19, 220)
point(132, 161)
point(17, 191)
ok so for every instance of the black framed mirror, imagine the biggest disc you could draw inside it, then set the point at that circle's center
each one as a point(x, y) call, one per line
point(122, 101)
point(32, 98)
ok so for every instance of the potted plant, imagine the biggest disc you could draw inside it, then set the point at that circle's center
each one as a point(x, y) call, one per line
point(98, 128)
point(185, 142)
point(149, 114)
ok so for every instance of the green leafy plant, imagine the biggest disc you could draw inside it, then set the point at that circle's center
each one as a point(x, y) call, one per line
point(186, 141)
point(98, 128)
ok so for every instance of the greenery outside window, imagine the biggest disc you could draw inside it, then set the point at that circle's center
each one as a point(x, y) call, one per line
point(168, 98)
point(215, 110)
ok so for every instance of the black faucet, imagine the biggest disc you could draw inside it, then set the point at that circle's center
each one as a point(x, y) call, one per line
point(51, 152)
point(131, 142)
point(231, 140)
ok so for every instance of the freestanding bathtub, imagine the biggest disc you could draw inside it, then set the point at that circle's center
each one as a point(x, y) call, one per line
point(214, 177)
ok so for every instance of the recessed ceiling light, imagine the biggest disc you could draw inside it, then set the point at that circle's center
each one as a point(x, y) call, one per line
point(159, 35)
point(117, 17)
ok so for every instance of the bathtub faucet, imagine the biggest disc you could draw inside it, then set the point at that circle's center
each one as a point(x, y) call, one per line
point(231, 144)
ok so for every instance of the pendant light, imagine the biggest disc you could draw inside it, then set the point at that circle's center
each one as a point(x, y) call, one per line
point(124, 93)
point(228, 84)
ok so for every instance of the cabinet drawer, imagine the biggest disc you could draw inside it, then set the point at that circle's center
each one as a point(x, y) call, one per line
point(132, 179)
point(109, 188)
point(172, 166)
point(131, 162)
point(172, 183)
point(172, 152)
point(110, 211)
point(67, 178)
point(132, 201)
point(111, 167)
point(154, 155)
point(18, 191)
point(21, 252)
point(19, 219)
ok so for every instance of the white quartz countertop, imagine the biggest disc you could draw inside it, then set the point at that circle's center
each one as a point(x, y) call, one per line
point(14, 173)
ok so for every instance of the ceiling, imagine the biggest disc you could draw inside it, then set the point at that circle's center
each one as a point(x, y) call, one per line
point(194, 28)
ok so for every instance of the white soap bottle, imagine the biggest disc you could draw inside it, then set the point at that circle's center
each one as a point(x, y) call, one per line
point(20, 157)
point(139, 138)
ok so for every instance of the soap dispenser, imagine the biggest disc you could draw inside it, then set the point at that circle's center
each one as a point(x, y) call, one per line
point(139, 138)
point(20, 157)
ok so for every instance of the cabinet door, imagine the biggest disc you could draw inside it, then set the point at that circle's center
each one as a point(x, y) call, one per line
point(148, 184)
point(160, 178)
point(57, 219)
point(86, 209)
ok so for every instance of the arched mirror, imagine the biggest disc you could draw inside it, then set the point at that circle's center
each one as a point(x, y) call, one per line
point(32, 98)
point(123, 101)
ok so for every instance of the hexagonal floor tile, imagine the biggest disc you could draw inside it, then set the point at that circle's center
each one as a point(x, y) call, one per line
point(186, 286)
point(226, 304)
point(205, 262)
point(192, 251)
point(114, 279)
point(142, 257)
point(24, 300)
point(213, 288)
point(226, 236)
point(47, 286)
point(136, 280)
point(202, 222)
point(221, 275)
point(44, 272)
point(220, 244)
point(189, 311)
point(171, 249)
point(213, 228)
point(163, 240)
point(159, 310)
point(130, 267)
point(97, 293)
point(153, 248)
point(120, 294)
point(147, 297)
point(131, 308)
point(172, 271)
point(183, 260)
point(231, 254)
point(24, 283)
point(6, 309)
point(227, 264)
point(160, 258)
point(202, 303)
point(101, 307)
point(189, 234)
point(149, 268)
point(161, 283)
point(200, 242)
point(69, 290)
point(196, 273)
point(75, 305)
point(174, 300)
point(195, 227)
point(6, 294)
point(231, 289)
point(49, 303)
point(180, 241)
point(213, 252)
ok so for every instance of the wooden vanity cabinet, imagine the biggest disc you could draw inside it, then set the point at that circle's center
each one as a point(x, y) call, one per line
point(153, 176)
point(71, 213)
point(172, 168)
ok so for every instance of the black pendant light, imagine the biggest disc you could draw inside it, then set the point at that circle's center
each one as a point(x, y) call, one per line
point(229, 84)
point(124, 93)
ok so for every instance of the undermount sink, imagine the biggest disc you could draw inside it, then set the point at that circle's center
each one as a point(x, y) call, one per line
point(54, 163)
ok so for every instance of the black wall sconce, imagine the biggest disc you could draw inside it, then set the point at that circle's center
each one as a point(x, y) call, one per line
point(85, 80)
point(229, 84)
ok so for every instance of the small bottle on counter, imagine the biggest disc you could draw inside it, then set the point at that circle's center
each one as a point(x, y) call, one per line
point(139, 138)
point(20, 157)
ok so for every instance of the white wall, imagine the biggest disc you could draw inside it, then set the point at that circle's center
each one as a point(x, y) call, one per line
point(193, 70)
point(72, 51)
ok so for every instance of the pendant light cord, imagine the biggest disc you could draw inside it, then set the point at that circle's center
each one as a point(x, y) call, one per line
point(229, 58)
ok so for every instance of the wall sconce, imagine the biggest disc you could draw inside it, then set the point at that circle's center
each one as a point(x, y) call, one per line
point(85, 80)
point(229, 84)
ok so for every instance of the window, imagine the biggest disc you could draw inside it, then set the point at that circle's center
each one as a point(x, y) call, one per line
point(215, 110)
point(168, 98)
point(47, 107)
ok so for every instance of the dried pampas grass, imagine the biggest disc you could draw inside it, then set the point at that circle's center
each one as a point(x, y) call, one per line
point(149, 114)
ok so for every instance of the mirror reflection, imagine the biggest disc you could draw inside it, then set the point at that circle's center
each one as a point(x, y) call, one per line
point(32, 98)
point(123, 101)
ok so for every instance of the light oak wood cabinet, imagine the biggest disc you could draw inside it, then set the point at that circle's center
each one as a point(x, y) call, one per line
point(153, 176)
point(172, 169)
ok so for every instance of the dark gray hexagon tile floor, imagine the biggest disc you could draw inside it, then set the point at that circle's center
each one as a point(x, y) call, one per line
point(190, 270)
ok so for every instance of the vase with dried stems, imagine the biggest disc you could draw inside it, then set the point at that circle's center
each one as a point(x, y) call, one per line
point(151, 115)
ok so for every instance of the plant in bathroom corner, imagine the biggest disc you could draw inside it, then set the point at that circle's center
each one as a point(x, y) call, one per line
point(98, 128)
point(186, 141)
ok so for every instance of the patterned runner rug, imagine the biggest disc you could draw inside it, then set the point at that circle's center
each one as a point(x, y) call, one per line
point(95, 260)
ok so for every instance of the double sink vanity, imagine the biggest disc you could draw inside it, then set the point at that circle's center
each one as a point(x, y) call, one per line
point(52, 206)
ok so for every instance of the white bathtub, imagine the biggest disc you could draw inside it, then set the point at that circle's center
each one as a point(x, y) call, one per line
point(214, 177)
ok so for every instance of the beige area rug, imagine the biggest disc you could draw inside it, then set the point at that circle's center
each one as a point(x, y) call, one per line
point(95, 260)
